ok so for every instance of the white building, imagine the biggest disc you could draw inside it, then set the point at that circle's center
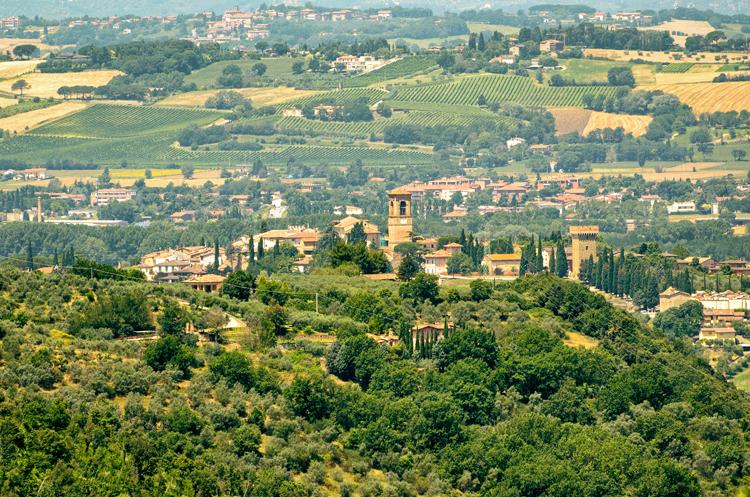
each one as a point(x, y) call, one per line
point(681, 207)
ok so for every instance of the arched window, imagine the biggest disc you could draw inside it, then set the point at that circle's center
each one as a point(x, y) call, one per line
point(402, 208)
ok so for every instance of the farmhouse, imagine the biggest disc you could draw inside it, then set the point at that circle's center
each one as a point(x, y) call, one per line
point(551, 46)
point(499, 264)
point(671, 297)
point(209, 283)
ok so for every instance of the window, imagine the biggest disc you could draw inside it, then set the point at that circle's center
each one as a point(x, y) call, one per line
point(402, 208)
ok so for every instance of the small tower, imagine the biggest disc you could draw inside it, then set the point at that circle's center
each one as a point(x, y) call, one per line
point(399, 217)
point(39, 218)
point(584, 246)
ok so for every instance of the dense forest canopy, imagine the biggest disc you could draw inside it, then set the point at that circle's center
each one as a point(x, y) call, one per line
point(501, 406)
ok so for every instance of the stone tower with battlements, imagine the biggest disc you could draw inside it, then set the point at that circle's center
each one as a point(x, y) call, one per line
point(584, 246)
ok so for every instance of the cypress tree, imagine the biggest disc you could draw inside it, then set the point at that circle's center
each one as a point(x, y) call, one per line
point(599, 273)
point(29, 257)
point(251, 252)
point(612, 272)
point(216, 256)
point(562, 259)
point(552, 261)
point(524, 262)
point(539, 257)
point(717, 282)
point(55, 261)
point(260, 248)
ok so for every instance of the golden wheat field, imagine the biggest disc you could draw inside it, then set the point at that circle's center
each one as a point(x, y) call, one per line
point(8, 44)
point(570, 119)
point(583, 122)
point(259, 97)
point(709, 97)
point(46, 84)
point(631, 124)
point(14, 68)
point(5, 102)
point(29, 120)
point(680, 29)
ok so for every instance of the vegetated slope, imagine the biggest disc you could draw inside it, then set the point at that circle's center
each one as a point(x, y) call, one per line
point(398, 69)
point(500, 88)
point(367, 128)
point(500, 407)
point(710, 97)
point(108, 121)
point(339, 96)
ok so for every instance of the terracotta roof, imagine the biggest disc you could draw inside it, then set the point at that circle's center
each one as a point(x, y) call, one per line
point(399, 191)
point(206, 278)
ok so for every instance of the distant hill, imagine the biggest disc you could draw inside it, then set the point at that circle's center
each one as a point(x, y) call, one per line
point(74, 8)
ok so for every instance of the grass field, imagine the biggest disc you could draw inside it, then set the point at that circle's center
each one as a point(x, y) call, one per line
point(742, 380)
point(6, 102)
point(277, 67)
point(476, 27)
point(499, 88)
point(260, 97)
point(587, 71)
point(709, 97)
point(680, 29)
point(667, 57)
point(46, 84)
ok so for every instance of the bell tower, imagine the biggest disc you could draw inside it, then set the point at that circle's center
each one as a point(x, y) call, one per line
point(399, 217)
point(583, 247)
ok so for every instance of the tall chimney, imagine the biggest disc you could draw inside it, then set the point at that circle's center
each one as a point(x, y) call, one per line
point(38, 208)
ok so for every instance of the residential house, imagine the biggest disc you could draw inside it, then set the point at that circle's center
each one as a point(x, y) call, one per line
point(344, 226)
point(209, 283)
point(436, 262)
point(671, 297)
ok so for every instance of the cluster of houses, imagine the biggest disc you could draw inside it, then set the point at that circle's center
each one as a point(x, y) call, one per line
point(720, 310)
point(31, 174)
point(11, 23)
